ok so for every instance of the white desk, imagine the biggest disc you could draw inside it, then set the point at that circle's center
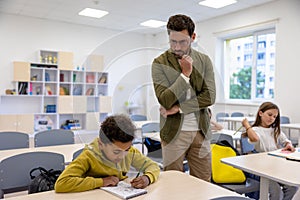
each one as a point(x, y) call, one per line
point(170, 185)
point(232, 121)
point(268, 168)
point(66, 150)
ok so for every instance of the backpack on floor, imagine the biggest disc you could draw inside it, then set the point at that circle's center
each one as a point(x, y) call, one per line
point(223, 173)
point(44, 181)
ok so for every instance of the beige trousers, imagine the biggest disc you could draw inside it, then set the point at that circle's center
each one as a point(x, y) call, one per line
point(193, 146)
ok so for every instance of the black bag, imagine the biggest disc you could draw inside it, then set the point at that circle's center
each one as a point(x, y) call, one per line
point(44, 181)
point(152, 145)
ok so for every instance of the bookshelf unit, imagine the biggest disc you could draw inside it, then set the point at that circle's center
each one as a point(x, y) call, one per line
point(58, 92)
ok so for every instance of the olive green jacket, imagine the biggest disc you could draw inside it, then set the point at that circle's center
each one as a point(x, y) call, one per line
point(170, 89)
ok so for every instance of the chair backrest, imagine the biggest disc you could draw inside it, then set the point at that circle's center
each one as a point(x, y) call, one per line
point(15, 170)
point(246, 147)
point(150, 127)
point(284, 120)
point(221, 114)
point(138, 117)
point(77, 153)
point(216, 137)
point(154, 147)
point(53, 137)
point(237, 114)
point(13, 140)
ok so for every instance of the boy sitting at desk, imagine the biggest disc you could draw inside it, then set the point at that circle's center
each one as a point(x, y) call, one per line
point(107, 160)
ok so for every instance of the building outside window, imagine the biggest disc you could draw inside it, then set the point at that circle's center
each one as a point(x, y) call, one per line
point(249, 66)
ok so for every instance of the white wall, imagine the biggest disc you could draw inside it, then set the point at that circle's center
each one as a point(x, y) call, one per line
point(22, 38)
point(128, 56)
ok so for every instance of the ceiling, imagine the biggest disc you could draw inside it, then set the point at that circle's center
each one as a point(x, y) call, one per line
point(123, 15)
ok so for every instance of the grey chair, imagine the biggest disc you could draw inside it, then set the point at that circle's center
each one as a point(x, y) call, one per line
point(15, 170)
point(148, 128)
point(216, 137)
point(284, 120)
point(157, 154)
point(250, 185)
point(13, 140)
point(53, 137)
point(77, 153)
point(237, 114)
point(221, 114)
point(138, 117)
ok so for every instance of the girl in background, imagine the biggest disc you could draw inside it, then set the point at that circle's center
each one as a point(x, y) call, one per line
point(266, 135)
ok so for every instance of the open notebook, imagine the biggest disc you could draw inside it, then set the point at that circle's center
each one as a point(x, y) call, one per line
point(287, 154)
point(124, 190)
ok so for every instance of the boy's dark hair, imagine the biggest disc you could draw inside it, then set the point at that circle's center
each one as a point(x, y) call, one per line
point(117, 128)
point(180, 23)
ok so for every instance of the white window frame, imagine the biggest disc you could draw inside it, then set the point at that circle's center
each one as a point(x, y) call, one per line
point(260, 28)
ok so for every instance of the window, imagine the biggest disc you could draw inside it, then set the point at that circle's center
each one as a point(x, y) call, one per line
point(250, 66)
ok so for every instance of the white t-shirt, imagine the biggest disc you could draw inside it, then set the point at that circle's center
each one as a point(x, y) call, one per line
point(266, 139)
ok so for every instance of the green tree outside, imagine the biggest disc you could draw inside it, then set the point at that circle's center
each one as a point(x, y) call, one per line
point(241, 88)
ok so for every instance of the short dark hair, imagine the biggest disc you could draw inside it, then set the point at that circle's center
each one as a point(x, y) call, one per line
point(117, 128)
point(179, 23)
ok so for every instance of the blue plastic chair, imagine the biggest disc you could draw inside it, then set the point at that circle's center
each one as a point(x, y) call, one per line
point(221, 114)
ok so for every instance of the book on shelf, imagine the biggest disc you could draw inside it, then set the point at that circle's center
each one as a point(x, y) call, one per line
point(124, 190)
point(89, 92)
point(102, 79)
point(90, 78)
point(22, 87)
point(48, 90)
point(286, 154)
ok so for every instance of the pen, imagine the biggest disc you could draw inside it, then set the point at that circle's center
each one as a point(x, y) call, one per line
point(238, 130)
point(141, 169)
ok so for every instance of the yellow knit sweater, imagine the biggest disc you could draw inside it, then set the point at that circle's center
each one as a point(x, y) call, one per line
point(88, 169)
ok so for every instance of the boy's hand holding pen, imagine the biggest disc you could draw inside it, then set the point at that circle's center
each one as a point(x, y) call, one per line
point(140, 181)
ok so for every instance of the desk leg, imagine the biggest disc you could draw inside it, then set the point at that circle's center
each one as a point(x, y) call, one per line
point(264, 188)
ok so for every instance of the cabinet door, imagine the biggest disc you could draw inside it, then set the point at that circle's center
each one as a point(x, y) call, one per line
point(71, 104)
point(65, 105)
point(105, 104)
point(22, 71)
point(25, 123)
point(92, 121)
point(65, 61)
point(8, 123)
point(79, 103)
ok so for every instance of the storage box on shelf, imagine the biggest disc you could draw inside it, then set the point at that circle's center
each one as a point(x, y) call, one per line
point(60, 93)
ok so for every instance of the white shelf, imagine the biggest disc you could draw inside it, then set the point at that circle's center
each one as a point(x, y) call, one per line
point(59, 92)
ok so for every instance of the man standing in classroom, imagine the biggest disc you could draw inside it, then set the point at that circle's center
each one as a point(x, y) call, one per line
point(184, 85)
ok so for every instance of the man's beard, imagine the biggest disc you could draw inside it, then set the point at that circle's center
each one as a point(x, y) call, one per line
point(180, 53)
